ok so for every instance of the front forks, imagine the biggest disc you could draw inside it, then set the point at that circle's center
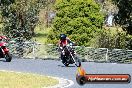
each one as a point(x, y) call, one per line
point(71, 54)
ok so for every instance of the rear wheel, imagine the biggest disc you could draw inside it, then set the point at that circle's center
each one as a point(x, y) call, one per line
point(8, 57)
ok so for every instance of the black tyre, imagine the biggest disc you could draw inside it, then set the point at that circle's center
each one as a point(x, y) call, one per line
point(64, 61)
point(8, 57)
point(1, 53)
point(66, 64)
point(78, 62)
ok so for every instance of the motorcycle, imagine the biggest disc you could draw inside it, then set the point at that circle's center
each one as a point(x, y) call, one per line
point(68, 56)
point(4, 51)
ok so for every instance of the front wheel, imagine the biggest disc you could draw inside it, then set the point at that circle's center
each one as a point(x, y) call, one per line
point(64, 61)
point(78, 62)
point(66, 64)
point(8, 57)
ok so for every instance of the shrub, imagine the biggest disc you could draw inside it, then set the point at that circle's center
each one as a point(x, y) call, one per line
point(79, 19)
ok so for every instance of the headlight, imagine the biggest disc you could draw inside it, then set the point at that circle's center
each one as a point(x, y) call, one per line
point(70, 44)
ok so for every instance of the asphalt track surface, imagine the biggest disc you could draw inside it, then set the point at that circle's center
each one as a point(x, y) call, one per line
point(57, 69)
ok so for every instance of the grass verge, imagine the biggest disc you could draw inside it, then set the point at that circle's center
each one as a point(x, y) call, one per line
point(24, 80)
point(41, 34)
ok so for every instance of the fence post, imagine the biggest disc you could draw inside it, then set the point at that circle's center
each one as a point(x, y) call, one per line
point(106, 55)
point(33, 50)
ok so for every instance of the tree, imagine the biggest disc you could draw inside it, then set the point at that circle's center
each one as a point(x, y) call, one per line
point(124, 16)
point(79, 19)
point(20, 17)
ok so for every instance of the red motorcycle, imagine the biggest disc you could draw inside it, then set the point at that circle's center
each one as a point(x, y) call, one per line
point(4, 51)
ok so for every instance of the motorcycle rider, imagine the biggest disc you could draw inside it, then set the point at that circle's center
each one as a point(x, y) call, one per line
point(64, 40)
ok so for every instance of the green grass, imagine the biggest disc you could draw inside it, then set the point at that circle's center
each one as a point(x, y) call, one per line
point(25, 80)
point(41, 34)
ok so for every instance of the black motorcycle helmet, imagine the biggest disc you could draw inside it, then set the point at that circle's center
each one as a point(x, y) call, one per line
point(63, 36)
